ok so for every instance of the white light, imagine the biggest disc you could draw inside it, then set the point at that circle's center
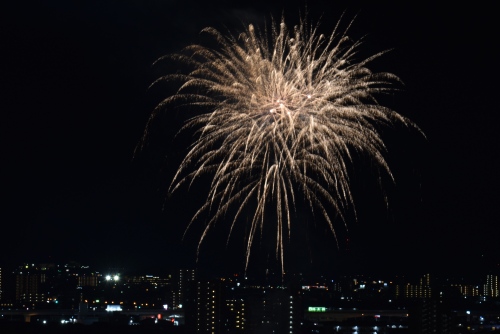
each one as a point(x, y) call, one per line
point(112, 308)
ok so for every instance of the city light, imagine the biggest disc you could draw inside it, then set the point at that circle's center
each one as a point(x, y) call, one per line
point(117, 297)
point(112, 278)
point(113, 308)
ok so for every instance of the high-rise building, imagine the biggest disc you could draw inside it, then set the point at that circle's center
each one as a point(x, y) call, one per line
point(467, 290)
point(210, 307)
point(91, 279)
point(235, 321)
point(417, 291)
point(7, 287)
point(149, 290)
point(490, 288)
point(273, 310)
point(29, 280)
point(217, 309)
point(430, 316)
point(181, 284)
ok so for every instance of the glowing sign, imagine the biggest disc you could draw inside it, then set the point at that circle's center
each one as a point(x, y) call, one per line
point(113, 308)
point(316, 309)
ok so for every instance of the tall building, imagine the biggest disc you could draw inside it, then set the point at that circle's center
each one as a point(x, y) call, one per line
point(91, 279)
point(431, 316)
point(421, 290)
point(236, 316)
point(149, 290)
point(467, 290)
point(181, 285)
point(210, 307)
point(29, 281)
point(218, 308)
point(273, 310)
point(490, 288)
point(7, 287)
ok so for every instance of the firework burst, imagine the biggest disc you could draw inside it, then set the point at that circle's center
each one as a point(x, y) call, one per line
point(287, 111)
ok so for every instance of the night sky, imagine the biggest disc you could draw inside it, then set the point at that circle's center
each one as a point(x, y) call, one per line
point(74, 79)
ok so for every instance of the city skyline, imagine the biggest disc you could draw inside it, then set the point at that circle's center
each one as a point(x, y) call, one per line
point(76, 101)
point(75, 296)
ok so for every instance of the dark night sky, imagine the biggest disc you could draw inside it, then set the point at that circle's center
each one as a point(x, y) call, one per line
point(75, 100)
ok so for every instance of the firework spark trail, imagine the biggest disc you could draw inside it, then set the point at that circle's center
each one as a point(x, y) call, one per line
point(287, 115)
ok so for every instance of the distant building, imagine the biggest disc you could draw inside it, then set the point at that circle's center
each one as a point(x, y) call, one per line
point(148, 290)
point(490, 288)
point(181, 284)
point(422, 290)
point(151, 280)
point(225, 305)
point(236, 316)
point(29, 280)
point(86, 280)
point(7, 287)
point(274, 310)
point(467, 290)
point(211, 307)
point(431, 316)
